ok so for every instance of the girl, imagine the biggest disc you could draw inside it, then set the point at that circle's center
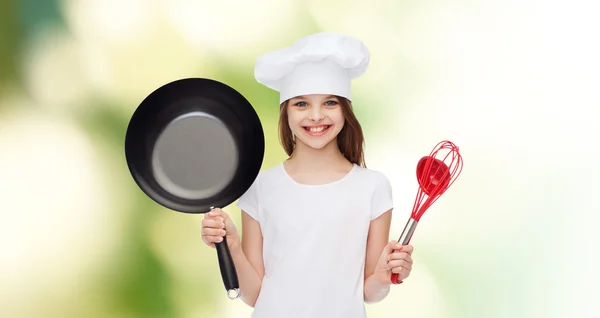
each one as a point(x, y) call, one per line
point(315, 227)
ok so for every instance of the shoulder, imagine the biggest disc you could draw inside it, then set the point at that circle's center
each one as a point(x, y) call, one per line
point(373, 176)
point(264, 181)
point(376, 185)
point(270, 176)
point(271, 173)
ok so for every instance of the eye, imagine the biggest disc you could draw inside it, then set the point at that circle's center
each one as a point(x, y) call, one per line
point(331, 103)
point(300, 104)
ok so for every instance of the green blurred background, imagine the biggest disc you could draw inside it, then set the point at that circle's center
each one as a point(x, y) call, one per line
point(513, 83)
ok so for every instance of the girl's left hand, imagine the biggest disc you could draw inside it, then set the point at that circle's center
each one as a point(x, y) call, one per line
point(395, 258)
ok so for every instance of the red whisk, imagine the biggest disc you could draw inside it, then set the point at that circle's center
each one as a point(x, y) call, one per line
point(435, 176)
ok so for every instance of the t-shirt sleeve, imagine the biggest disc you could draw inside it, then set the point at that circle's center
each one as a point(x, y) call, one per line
point(248, 202)
point(382, 199)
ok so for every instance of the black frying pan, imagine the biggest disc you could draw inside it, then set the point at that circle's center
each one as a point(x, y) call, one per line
point(194, 144)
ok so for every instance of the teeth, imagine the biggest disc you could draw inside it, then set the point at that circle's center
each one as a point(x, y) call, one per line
point(317, 129)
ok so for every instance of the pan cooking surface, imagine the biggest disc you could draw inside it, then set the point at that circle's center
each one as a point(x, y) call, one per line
point(194, 144)
point(186, 147)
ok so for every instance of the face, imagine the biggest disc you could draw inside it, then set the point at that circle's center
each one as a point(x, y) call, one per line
point(315, 120)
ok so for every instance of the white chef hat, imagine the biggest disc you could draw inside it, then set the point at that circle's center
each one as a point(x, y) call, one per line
point(322, 63)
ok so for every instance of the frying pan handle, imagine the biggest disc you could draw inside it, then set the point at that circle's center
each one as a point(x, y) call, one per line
point(228, 272)
point(405, 237)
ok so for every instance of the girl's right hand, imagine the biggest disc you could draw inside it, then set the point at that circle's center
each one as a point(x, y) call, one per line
point(217, 224)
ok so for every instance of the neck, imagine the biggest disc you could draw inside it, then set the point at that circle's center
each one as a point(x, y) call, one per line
point(318, 159)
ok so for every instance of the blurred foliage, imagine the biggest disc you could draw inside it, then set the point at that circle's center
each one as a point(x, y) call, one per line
point(35, 15)
point(138, 284)
point(10, 35)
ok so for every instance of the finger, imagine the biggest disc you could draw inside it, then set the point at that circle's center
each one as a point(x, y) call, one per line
point(217, 212)
point(401, 271)
point(207, 231)
point(397, 247)
point(400, 267)
point(400, 256)
point(220, 218)
point(407, 249)
point(212, 239)
point(212, 213)
point(389, 248)
point(208, 240)
point(213, 223)
point(399, 263)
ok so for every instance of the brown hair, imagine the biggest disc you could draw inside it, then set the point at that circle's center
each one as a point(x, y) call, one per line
point(350, 140)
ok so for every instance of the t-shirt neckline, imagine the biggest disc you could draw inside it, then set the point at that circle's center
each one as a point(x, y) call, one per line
point(287, 176)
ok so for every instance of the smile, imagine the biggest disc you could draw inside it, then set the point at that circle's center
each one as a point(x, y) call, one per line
point(316, 130)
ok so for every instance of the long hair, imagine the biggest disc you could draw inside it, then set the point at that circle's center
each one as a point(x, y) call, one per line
point(350, 140)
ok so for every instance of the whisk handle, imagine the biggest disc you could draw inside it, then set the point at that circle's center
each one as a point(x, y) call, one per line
point(407, 233)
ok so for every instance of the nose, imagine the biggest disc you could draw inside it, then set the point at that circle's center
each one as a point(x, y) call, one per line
point(316, 114)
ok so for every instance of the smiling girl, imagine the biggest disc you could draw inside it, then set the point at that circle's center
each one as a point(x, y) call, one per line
point(315, 227)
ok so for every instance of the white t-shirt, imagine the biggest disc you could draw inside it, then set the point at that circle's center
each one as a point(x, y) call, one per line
point(314, 241)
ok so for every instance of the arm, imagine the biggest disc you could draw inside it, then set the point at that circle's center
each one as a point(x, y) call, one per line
point(248, 260)
point(375, 290)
